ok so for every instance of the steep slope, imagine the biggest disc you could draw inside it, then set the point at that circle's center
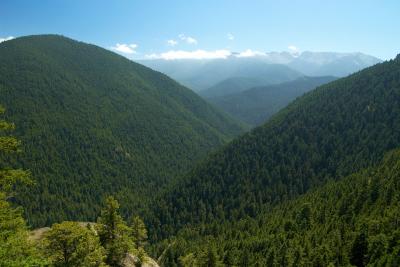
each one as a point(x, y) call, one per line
point(200, 75)
point(94, 123)
point(333, 131)
point(354, 221)
point(254, 106)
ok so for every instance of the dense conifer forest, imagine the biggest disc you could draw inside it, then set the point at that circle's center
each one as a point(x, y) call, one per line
point(338, 129)
point(94, 123)
point(351, 222)
point(122, 166)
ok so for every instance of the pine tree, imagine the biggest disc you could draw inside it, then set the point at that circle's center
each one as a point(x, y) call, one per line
point(114, 233)
point(139, 231)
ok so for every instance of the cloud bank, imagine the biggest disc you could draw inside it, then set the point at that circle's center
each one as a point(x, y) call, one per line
point(250, 53)
point(196, 54)
point(203, 54)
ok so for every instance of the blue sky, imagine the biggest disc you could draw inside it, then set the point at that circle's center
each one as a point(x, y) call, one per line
point(149, 27)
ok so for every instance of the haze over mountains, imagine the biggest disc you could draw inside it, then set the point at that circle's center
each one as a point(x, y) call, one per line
point(203, 74)
point(251, 87)
point(257, 104)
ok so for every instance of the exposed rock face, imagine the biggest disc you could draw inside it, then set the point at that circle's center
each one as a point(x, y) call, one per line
point(133, 261)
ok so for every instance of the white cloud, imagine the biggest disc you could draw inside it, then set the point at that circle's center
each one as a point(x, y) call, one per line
point(125, 48)
point(172, 42)
point(293, 50)
point(6, 39)
point(230, 36)
point(204, 54)
point(187, 39)
point(191, 40)
point(250, 53)
point(196, 54)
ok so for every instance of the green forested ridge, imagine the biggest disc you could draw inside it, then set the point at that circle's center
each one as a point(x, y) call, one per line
point(93, 123)
point(354, 221)
point(333, 131)
point(256, 105)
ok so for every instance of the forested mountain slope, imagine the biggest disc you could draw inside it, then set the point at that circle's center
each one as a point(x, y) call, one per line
point(333, 131)
point(92, 123)
point(354, 221)
point(256, 105)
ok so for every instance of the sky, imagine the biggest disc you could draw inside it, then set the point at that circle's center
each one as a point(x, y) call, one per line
point(171, 29)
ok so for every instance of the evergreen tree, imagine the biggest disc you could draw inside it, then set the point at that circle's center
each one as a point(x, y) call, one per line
point(114, 233)
point(210, 258)
point(139, 231)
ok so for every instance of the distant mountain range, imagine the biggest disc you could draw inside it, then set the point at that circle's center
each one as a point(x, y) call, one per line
point(270, 68)
point(203, 74)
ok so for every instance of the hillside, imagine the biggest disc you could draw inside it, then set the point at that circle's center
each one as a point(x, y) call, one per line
point(94, 123)
point(333, 131)
point(256, 105)
point(353, 221)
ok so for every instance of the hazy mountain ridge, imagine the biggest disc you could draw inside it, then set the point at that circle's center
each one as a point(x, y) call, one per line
point(203, 74)
point(256, 105)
